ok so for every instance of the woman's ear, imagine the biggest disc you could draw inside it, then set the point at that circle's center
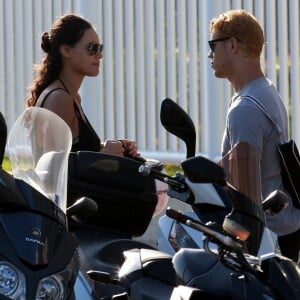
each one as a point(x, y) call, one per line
point(65, 50)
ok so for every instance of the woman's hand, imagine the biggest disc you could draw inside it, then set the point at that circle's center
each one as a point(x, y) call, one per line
point(113, 147)
point(130, 148)
point(120, 147)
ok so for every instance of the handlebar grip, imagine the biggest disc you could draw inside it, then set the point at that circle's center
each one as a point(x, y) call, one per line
point(176, 215)
point(156, 174)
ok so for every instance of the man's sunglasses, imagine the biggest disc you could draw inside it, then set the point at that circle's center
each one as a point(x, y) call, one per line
point(212, 43)
point(93, 48)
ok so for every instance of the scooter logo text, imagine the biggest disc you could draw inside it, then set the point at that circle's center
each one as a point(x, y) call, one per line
point(35, 241)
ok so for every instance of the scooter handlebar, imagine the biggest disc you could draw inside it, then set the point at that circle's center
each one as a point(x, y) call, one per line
point(216, 235)
point(156, 174)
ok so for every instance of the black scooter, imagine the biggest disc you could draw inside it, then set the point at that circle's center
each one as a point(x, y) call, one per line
point(120, 206)
point(207, 200)
point(224, 272)
point(121, 203)
point(39, 258)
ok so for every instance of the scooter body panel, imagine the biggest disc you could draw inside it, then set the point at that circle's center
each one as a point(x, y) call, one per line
point(36, 240)
point(103, 250)
point(83, 288)
point(36, 257)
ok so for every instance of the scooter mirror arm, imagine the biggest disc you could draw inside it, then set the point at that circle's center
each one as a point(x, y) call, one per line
point(155, 174)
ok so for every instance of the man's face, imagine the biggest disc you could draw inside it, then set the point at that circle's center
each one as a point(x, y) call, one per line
point(219, 54)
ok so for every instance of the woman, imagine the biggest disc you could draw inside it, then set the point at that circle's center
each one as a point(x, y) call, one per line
point(72, 52)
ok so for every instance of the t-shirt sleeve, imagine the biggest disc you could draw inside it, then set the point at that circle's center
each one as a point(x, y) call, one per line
point(247, 124)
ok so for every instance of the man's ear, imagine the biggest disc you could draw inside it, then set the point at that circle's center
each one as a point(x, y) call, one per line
point(234, 44)
point(65, 50)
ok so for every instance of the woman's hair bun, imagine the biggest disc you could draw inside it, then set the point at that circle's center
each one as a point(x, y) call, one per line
point(45, 44)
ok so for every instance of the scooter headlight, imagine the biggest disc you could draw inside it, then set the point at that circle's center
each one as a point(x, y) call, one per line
point(179, 238)
point(58, 286)
point(50, 288)
point(53, 287)
point(12, 281)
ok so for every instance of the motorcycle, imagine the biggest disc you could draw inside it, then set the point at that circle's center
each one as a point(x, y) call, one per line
point(123, 202)
point(39, 258)
point(207, 200)
point(126, 206)
point(224, 271)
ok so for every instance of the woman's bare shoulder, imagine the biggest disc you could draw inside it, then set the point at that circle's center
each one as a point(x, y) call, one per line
point(61, 102)
point(57, 97)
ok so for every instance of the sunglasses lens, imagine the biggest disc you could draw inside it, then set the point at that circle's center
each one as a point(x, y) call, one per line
point(94, 48)
point(212, 43)
point(211, 46)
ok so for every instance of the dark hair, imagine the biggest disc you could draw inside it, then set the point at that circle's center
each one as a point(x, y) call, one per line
point(67, 30)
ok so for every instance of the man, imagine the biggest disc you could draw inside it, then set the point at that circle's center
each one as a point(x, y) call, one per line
point(236, 44)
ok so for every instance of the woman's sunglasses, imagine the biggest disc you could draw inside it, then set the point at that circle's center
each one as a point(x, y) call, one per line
point(93, 48)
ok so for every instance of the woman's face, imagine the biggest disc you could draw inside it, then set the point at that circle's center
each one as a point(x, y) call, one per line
point(86, 54)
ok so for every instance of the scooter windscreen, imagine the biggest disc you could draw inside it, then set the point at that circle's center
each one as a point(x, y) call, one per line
point(38, 147)
point(243, 173)
point(242, 168)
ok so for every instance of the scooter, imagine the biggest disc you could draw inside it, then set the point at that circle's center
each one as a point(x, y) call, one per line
point(222, 272)
point(39, 258)
point(225, 273)
point(207, 200)
point(124, 203)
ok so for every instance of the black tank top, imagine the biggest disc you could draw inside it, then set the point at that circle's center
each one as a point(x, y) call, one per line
point(87, 139)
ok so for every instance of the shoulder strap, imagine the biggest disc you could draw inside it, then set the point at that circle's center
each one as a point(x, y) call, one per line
point(264, 110)
point(42, 101)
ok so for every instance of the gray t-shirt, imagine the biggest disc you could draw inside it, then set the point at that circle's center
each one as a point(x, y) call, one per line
point(247, 122)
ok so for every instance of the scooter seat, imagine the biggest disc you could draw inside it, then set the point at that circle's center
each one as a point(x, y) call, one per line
point(158, 265)
point(202, 270)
